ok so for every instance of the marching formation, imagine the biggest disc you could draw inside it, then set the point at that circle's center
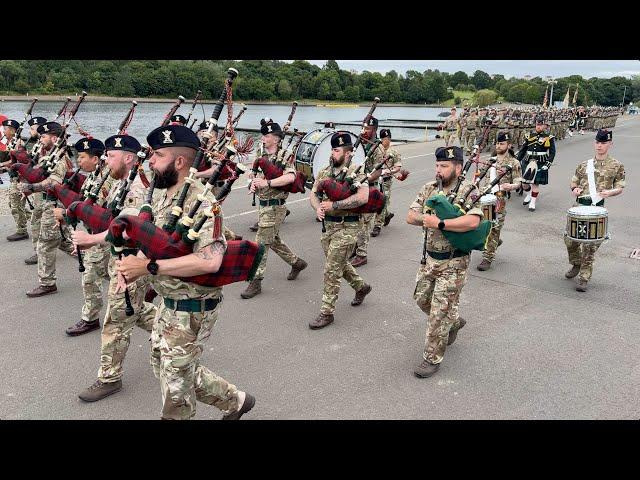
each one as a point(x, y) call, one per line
point(158, 236)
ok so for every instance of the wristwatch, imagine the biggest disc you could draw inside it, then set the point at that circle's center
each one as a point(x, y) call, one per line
point(152, 267)
point(441, 225)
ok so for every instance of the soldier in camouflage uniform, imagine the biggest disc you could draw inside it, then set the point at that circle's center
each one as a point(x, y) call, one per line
point(393, 164)
point(451, 127)
point(51, 232)
point(609, 178)
point(471, 130)
point(342, 228)
point(273, 209)
point(187, 311)
point(96, 258)
point(495, 119)
point(117, 326)
point(373, 158)
point(17, 201)
point(440, 281)
point(509, 182)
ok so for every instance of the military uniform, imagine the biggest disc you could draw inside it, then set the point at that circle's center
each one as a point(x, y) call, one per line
point(439, 282)
point(471, 129)
point(609, 174)
point(501, 207)
point(450, 130)
point(338, 242)
point(393, 160)
point(17, 201)
point(180, 330)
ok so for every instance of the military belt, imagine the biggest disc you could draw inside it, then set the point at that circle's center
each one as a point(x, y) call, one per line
point(348, 218)
point(279, 201)
point(537, 154)
point(447, 255)
point(192, 305)
point(587, 201)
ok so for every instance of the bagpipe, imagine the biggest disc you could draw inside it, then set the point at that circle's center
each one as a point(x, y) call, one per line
point(241, 258)
point(18, 154)
point(36, 174)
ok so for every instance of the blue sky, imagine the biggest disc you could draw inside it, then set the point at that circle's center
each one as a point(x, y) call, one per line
point(508, 68)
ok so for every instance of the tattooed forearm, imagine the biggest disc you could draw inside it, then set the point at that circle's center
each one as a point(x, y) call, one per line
point(210, 252)
point(352, 202)
point(43, 185)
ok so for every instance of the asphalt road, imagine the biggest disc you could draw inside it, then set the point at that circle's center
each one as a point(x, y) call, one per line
point(533, 347)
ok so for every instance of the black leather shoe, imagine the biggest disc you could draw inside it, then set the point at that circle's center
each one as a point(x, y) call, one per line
point(82, 327)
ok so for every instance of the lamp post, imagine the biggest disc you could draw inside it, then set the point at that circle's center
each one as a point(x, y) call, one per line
point(552, 83)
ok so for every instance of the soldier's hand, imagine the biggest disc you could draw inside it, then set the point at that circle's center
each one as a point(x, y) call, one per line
point(132, 267)
point(320, 212)
point(576, 191)
point(259, 183)
point(326, 205)
point(430, 221)
point(58, 213)
point(83, 239)
point(604, 193)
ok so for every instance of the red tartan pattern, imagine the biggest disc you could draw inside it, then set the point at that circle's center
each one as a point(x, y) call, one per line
point(65, 194)
point(77, 182)
point(95, 218)
point(336, 191)
point(28, 172)
point(271, 171)
point(20, 156)
point(238, 264)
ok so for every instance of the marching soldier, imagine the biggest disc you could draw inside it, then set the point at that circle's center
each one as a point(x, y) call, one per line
point(510, 182)
point(342, 229)
point(188, 311)
point(470, 131)
point(17, 201)
point(451, 127)
point(369, 139)
point(51, 233)
point(440, 281)
point(609, 180)
point(117, 327)
point(393, 164)
point(538, 151)
point(96, 258)
point(272, 209)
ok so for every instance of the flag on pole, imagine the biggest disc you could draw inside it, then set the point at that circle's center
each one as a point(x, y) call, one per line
point(565, 103)
point(546, 98)
point(575, 96)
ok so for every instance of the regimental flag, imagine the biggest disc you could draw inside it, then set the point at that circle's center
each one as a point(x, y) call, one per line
point(546, 98)
point(575, 96)
point(565, 103)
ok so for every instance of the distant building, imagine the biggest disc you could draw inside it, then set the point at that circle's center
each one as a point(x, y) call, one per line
point(527, 77)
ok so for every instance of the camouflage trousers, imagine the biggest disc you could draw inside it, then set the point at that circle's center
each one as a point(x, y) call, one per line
point(36, 216)
point(386, 189)
point(269, 221)
point(49, 240)
point(491, 246)
point(450, 138)
point(96, 263)
point(177, 343)
point(491, 139)
point(117, 327)
point(362, 240)
point(582, 254)
point(338, 243)
point(469, 140)
point(17, 203)
point(437, 293)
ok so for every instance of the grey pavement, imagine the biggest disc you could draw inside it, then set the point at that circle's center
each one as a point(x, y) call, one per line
point(533, 347)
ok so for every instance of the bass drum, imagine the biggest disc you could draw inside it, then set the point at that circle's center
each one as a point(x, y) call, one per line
point(314, 152)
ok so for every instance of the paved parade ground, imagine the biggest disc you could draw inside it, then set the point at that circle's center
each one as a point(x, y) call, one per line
point(533, 347)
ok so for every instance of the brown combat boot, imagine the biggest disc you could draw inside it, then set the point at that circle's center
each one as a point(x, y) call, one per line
point(426, 369)
point(32, 260)
point(581, 285)
point(360, 294)
point(249, 402)
point(484, 265)
point(388, 218)
point(82, 327)
point(376, 231)
point(321, 321)
point(358, 261)
point(14, 237)
point(100, 390)
point(499, 242)
point(42, 290)
point(296, 268)
point(254, 227)
point(453, 333)
point(254, 288)
point(575, 270)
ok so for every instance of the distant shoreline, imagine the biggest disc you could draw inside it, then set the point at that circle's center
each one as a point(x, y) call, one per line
point(107, 99)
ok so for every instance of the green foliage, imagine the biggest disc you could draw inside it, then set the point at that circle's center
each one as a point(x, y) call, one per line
point(484, 97)
point(277, 80)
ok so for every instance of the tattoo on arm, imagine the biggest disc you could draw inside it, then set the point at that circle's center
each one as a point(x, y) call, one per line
point(210, 252)
point(346, 204)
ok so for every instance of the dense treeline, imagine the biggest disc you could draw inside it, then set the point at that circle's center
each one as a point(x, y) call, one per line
point(278, 80)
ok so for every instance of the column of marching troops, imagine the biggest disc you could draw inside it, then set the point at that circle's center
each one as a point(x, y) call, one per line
point(183, 318)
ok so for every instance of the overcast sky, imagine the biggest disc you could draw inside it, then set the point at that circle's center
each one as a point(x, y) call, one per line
point(508, 68)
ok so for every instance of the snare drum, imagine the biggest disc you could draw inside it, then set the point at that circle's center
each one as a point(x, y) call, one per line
point(314, 152)
point(587, 224)
point(488, 204)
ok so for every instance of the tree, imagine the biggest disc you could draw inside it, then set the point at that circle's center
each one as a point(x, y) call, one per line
point(485, 97)
point(284, 89)
point(459, 78)
point(481, 80)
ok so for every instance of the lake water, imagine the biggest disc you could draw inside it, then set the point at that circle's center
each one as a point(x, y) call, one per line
point(101, 119)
